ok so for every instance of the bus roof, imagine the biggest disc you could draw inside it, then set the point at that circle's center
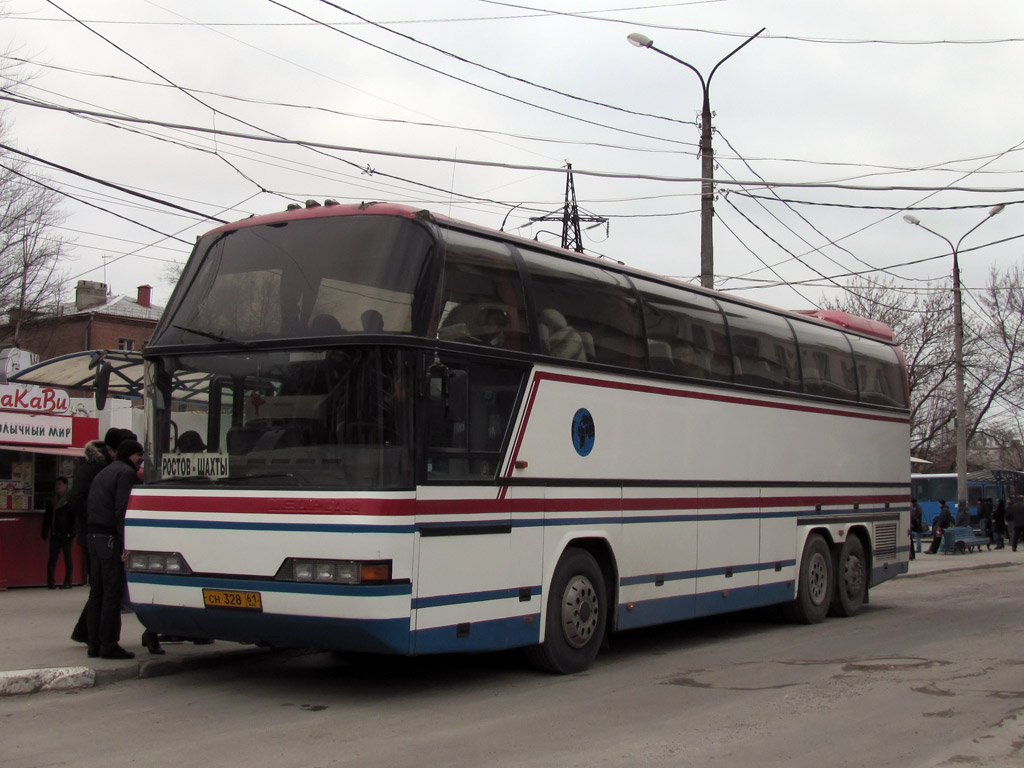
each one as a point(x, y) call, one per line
point(313, 210)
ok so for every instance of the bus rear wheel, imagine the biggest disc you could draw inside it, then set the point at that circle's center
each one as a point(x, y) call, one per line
point(577, 614)
point(851, 579)
point(815, 586)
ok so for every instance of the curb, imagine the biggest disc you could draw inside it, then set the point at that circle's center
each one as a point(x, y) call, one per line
point(21, 681)
point(959, 569)
point(24, 681)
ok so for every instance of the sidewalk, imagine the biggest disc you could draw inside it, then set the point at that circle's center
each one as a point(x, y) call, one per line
point(37, 654)
point(926, 565)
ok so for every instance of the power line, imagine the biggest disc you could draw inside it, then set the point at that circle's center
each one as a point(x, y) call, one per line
point(855, 206)
point(462, 80)
point(44, 185)
point(588, 15)
point(484, 67)
point(271, 139)
point(110, 184)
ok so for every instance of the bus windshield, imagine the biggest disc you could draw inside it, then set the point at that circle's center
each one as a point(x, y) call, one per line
point(337, 418)
point(296, 279)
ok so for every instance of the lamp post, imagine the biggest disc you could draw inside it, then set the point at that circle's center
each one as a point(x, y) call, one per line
point(707, 154)
point(958, 352)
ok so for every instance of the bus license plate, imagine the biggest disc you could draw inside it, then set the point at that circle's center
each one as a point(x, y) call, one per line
point(230, 598)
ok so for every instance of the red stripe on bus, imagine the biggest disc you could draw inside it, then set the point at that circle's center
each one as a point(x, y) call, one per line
point(234, 505)
point(650, 389)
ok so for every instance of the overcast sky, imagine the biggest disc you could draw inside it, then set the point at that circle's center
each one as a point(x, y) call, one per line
point(882, 105)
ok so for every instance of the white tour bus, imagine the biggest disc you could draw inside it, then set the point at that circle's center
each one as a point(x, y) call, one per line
point(373, 428)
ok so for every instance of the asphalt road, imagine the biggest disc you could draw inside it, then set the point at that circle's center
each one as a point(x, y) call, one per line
point(932, 673)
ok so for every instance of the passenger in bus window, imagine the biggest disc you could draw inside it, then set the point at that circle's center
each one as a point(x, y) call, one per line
point(190, 442)
point(373, 321)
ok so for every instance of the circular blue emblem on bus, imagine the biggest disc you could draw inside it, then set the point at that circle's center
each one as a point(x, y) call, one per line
point(583, 432)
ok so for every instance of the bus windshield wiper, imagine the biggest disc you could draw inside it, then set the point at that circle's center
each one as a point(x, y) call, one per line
point(206, 334)
point(185, 479)
point(234, 479)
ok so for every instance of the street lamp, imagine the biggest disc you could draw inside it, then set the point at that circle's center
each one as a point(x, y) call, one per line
point(707, 154)
point(958, 353)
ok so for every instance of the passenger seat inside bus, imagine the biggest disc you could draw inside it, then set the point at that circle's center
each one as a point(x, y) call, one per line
point(559, 339)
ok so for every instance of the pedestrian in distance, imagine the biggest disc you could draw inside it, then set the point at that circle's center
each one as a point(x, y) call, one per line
point(942, 522)
point(963, 516)
point(916, 524)
point(107, 506)
point(58, 529)
point(999, 523)
point(985, 511)
point(1016, 512)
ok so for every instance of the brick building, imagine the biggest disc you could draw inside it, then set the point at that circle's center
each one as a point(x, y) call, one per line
point(97, 321)
point(29, 462)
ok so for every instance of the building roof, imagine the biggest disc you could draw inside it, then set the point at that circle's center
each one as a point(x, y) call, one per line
point(121, 306)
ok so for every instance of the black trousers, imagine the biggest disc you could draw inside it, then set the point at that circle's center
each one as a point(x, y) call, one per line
point(59, 544)
point(106, 588)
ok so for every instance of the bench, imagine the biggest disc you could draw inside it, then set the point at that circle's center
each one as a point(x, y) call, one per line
point(962, 539)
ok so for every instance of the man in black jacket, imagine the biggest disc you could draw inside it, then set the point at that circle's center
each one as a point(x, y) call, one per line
point(58, 529)
point(107, 505)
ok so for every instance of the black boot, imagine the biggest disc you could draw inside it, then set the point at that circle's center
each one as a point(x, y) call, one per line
point(151, 640)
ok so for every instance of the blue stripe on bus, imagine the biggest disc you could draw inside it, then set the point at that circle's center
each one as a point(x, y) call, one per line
point(390, 636)
point(471, 597)
point(614, 518)
point(364, 590)
point(649, 578)
point(662, 610)
point(259, 585)
point(498, 634)
point(224, 525)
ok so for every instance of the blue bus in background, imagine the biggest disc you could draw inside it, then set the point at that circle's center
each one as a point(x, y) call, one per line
point(929, 490)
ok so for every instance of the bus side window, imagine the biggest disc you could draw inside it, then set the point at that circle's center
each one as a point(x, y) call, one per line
point(826, 361)
point(693, 328)
point(583, 312)
point(483, 294)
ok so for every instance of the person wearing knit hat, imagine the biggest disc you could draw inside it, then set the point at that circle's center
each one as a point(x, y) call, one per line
point(107, 505)
point(115, 435)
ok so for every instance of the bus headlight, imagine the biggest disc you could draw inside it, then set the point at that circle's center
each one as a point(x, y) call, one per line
point(334, 571)
point(158, 562)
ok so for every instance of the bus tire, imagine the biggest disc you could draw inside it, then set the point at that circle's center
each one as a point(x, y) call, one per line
point(577, 614)
point(851, 579)
point(815, 585)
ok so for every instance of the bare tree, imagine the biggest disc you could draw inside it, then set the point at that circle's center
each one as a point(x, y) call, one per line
point(922, 322)
point(30, 245)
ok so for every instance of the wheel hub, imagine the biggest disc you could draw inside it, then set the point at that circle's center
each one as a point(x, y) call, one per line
point(579, 611)
point(818, 579)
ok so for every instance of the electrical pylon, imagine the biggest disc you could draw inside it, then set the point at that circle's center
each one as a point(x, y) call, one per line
point(569, 215)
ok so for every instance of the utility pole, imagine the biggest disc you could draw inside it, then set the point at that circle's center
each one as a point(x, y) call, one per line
point(958, 353)
point(569, 215)
point(707, 155)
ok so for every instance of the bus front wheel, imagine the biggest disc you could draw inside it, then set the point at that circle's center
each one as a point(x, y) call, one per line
point(815, 586)
point(577, 614)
